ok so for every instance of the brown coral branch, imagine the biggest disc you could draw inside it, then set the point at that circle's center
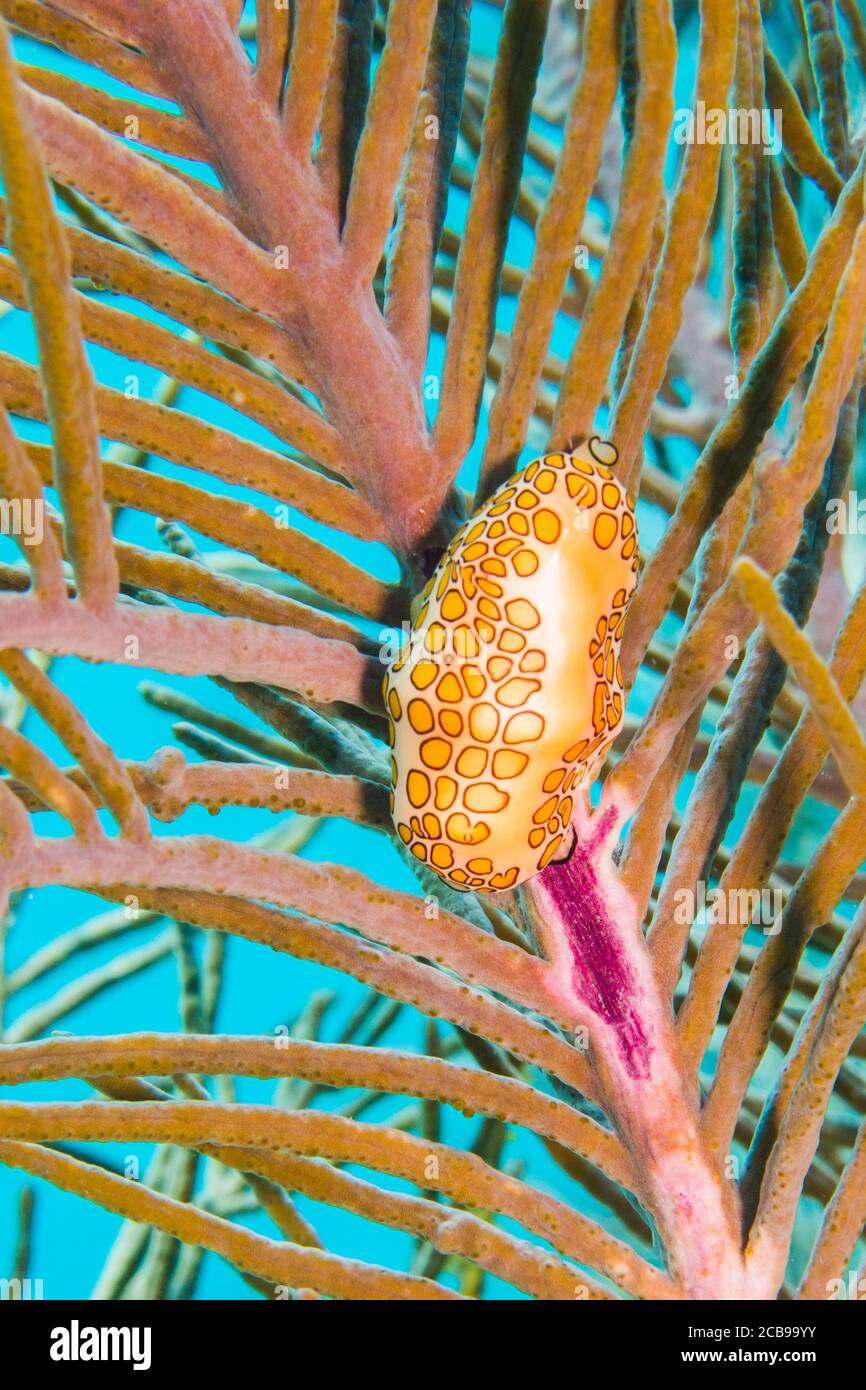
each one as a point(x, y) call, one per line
point(326, 1064)
point(106, 16)
point(782, 490)
point(345, 100)
point(396, 976)
point(332, 892)
point(463, 1177)
point(791, 249)
point(383, 142)
point(801, 147)
point(82, 41)
point(104, 770)
point(828, 68)
point(856, 28)
point(359, 373)
point(451, 1232)
point(832, 713)
point(279, 1262)
point(169, 785)
point(17, 838)
point(156, 203)
point(192, 582)
point(556, 236)
point(625, 259)
point(762, 838)
point(412, 268)
point(494, 189)
point(32, 767)
point(133, 120)
point(273, 39)
point(169, 433)
point(315, 24)
point(20, 480)
point(821, 1027)
point(816, 893)
point(237, 524)
point(842, 1224)
point(751, 234)
point(825, 1038)
point(689, 215)
point(37, 242)
point(190, 301)
point(189, 363)
point(734, 442)
point(645, 839)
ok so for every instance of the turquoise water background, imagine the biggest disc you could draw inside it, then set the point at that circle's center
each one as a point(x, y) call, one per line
point(261, 990)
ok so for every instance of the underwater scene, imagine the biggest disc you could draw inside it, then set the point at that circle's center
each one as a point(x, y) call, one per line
point(432, 645)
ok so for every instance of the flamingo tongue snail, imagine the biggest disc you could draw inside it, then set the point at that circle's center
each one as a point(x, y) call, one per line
point(509, 690)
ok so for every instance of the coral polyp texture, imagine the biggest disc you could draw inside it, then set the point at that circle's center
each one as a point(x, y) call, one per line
point(406, 890)
point(508, 690)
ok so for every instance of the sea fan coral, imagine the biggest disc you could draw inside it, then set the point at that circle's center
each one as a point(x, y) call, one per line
point(292, 291)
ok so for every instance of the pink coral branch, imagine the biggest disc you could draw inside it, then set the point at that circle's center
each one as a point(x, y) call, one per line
point(168, 784)
point(331, 892)
point(359, 372)
point(109, 17)
point(193, 644)
point(154, 202)
point(589, 928)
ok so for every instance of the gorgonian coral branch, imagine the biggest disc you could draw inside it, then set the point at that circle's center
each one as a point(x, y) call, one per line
point(591, 935)
point(690, 212)
point(306, 140)
point(831, 712)
point(826, 1034)
point(494, 189)
point(556, 234)
point(734, 442)
point(100, 765)
point(424, 189)
point(328, 1064)
point(388, 123)
point(782, 491)
point(81, 40)
point(37, 241)
point(461, 1176)
point(762, 838)
point(193, 644)
point(279, 1262)
point(313, 38)
point(19, 479)
point(604, 314)
point(192, 443)
point(801, 146)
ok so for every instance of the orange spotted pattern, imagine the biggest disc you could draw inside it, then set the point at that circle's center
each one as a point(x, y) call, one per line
point(509, 690)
